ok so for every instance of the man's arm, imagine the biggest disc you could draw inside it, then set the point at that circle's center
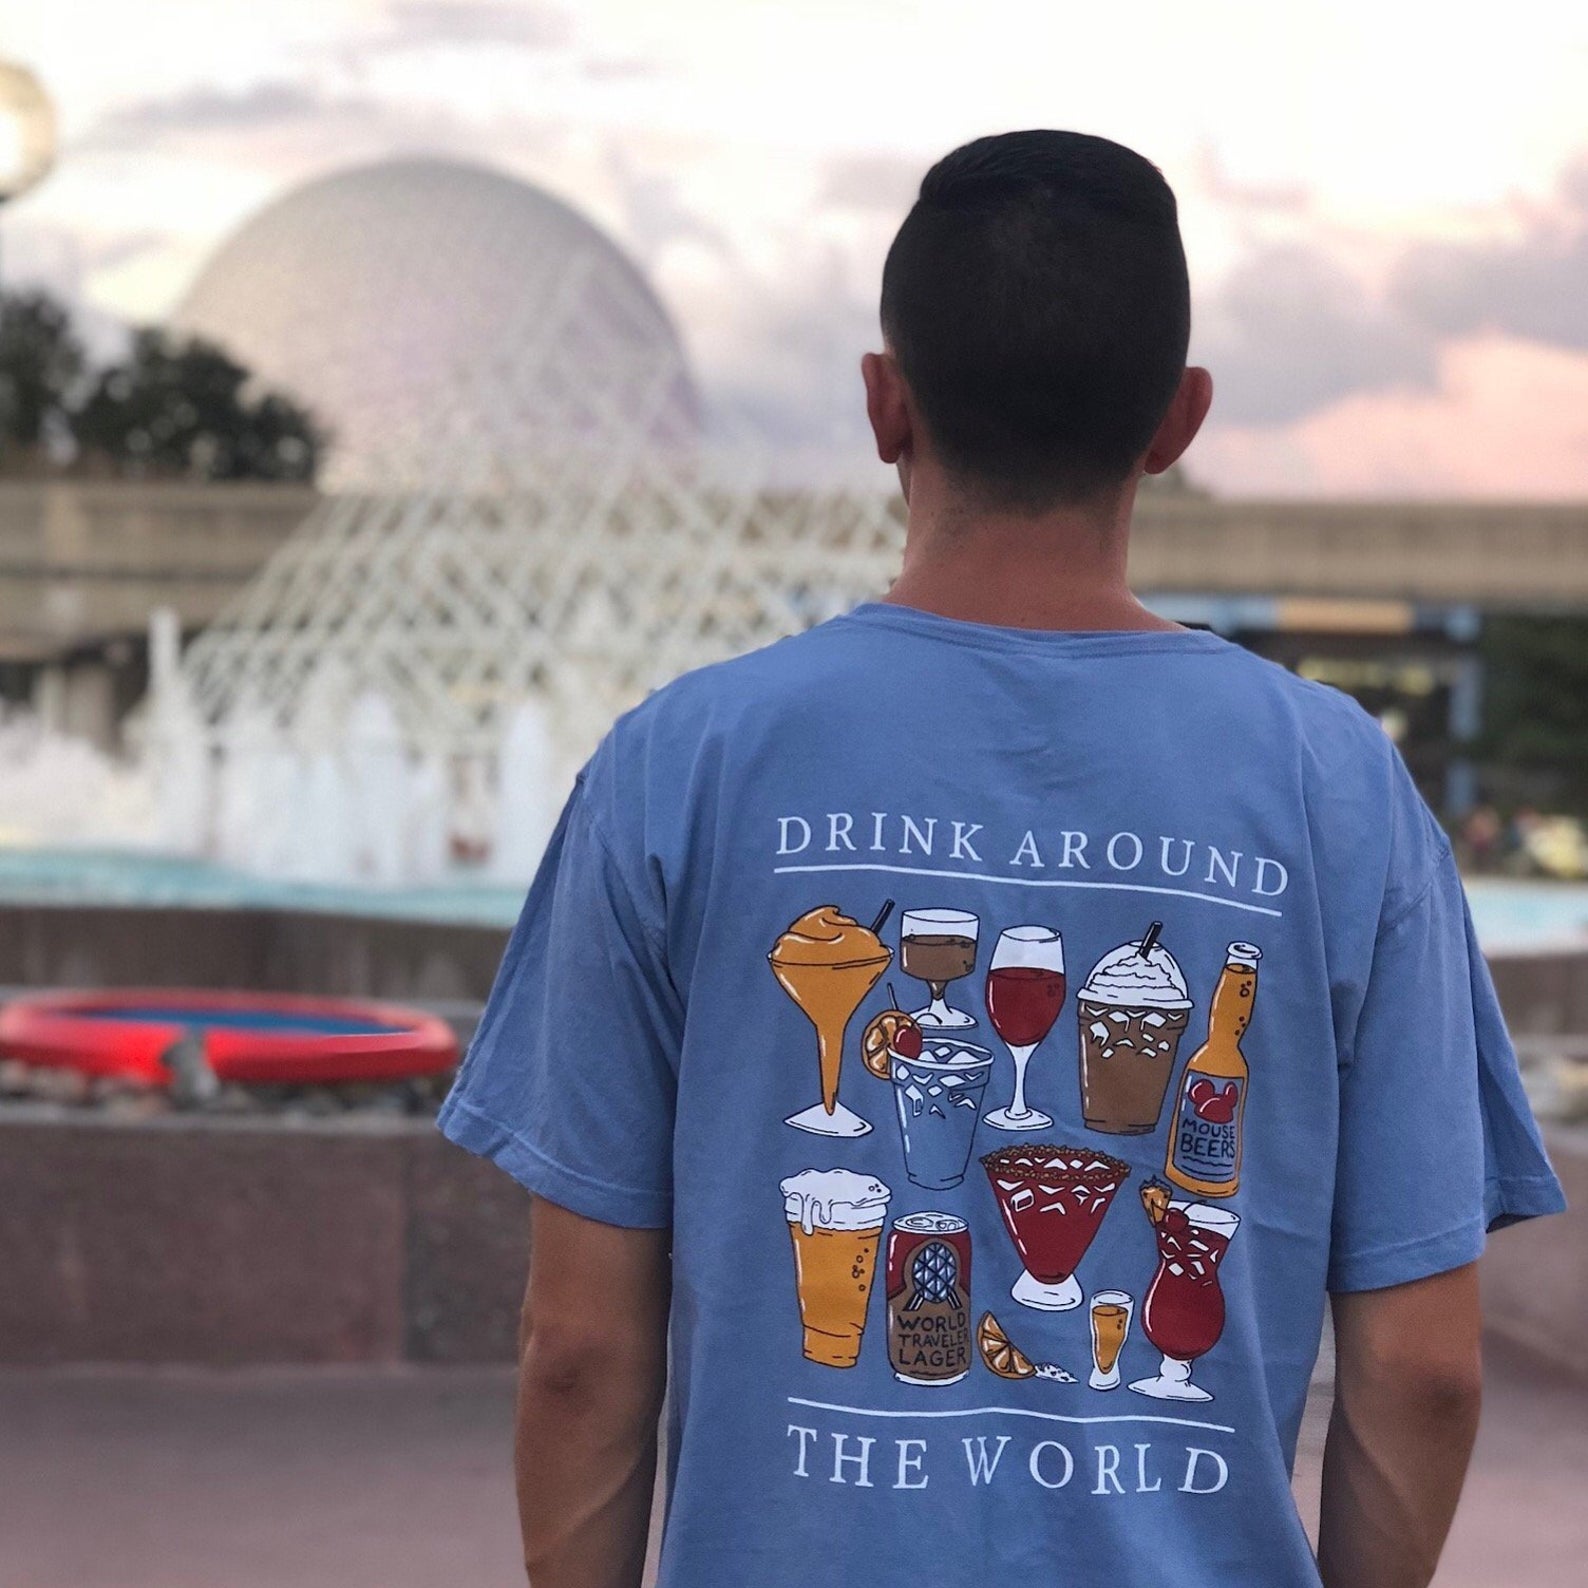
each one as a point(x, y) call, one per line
point(592, 1370)
point(1408, 1378)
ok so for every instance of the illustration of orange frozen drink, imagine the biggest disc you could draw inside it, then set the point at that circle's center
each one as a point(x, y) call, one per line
point(827, 962)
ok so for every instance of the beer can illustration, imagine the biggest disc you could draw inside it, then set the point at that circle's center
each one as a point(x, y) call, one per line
point(928, 1286)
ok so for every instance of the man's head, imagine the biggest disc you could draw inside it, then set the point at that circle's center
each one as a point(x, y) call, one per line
point(1036, 310)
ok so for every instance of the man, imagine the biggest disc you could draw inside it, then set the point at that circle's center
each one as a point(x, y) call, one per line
point(1019, 1281)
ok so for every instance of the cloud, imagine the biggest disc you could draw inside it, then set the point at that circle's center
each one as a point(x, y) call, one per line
point(1505, 420)
point(1246, 198)
point(424, 24)
point(207, 110)
point(1534, 286)
point(620, 68)
point(654, 214)
point(1288, 332)
point(871, 182)
point(782, 360)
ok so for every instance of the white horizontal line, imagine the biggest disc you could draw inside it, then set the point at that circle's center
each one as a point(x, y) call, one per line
point(1037, 882)
point(1011, 1411)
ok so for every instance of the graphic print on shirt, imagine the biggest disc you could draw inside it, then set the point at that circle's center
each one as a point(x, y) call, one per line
point(1004, 1359)
point(1053, 1200)
point(1025, 991)
point(835, 1220)
point(1109, 1314)
point(1183, 1315)
point(1132, 1011)
point(938, 1080)
point(928, 1297)
point(938, 947)
point(1204, 1152)
point(827, 962)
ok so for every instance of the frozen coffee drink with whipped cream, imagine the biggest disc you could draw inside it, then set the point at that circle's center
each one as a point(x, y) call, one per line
point(1132, 1012)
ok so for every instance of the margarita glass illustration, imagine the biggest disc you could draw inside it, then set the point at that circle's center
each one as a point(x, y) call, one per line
point(1025, 991)
point(827, 963)
point(937, 947)
point(1052, 1200)
point(1183, 1315)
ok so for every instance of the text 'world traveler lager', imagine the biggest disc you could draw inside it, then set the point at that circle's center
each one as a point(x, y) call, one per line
point(1205, 1140)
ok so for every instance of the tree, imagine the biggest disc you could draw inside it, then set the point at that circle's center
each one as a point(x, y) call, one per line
point(41, 362)
point(180, 409)
point(1536, 701)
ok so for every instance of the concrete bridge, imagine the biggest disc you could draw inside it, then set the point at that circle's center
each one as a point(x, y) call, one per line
point(82, 565)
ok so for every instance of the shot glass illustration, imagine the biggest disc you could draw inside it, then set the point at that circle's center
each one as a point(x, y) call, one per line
point(938, 1097)
point(1025, 991)
point(1183, 1315)
point(1132, 1012)
point(1110, 1316)
point(827, 963)
point(835, 1220)
point(1052, 1200)
point(937, 947)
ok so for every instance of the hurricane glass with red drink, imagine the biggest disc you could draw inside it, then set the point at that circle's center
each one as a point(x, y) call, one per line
point(1183, 1315)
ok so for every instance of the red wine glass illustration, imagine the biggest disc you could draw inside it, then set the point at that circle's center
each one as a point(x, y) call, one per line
point(1025, 991)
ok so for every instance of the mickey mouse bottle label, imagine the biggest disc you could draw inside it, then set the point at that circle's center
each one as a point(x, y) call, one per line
point(1207, 1132)
point(1205, 1141)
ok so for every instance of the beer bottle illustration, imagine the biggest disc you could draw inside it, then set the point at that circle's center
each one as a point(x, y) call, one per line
point(1205, 1140)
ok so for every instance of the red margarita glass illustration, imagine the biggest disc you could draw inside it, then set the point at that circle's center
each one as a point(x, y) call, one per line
point(1183, 1315)
point(1052, 1199)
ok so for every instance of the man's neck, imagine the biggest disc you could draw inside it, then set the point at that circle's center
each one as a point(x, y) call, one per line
point(1061, 570)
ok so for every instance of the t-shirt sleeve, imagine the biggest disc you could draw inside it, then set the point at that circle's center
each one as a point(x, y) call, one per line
point(1437, 1141)
point(571, 1079)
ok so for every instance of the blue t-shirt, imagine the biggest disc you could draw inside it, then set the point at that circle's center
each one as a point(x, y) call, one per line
point(1029, 1277)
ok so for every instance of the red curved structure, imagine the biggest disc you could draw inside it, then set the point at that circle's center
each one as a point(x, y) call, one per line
point(249, 1037)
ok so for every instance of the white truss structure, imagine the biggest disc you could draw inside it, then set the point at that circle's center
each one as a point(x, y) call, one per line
point(540, 546)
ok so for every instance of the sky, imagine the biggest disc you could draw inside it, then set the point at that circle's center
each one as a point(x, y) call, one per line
point(1385, 205)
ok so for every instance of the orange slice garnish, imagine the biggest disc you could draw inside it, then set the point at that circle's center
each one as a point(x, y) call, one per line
point(1155, 1199)
point(881, 1035)
point(1002, 1358)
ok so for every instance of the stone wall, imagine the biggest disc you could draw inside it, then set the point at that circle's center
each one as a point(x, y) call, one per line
point(224, 1241)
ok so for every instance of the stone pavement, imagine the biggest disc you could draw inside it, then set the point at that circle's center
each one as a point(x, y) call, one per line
point(374, 1479)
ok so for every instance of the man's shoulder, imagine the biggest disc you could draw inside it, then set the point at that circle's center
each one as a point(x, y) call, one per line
point(714, 696)
point(1315, 707)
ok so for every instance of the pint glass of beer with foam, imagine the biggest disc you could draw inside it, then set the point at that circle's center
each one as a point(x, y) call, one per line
point(835, 1220)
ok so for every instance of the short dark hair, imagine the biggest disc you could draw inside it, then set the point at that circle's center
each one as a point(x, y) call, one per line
point(1036, 299)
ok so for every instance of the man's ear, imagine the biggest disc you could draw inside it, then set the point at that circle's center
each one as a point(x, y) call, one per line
point(886, 405)
point(1187, 409)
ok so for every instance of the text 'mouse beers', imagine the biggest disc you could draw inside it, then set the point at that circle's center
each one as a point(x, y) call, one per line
point(835, 1220)
point(929, 1332)
point(1205, 1138)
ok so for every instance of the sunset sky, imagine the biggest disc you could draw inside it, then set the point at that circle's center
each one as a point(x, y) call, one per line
point(1385, 206)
